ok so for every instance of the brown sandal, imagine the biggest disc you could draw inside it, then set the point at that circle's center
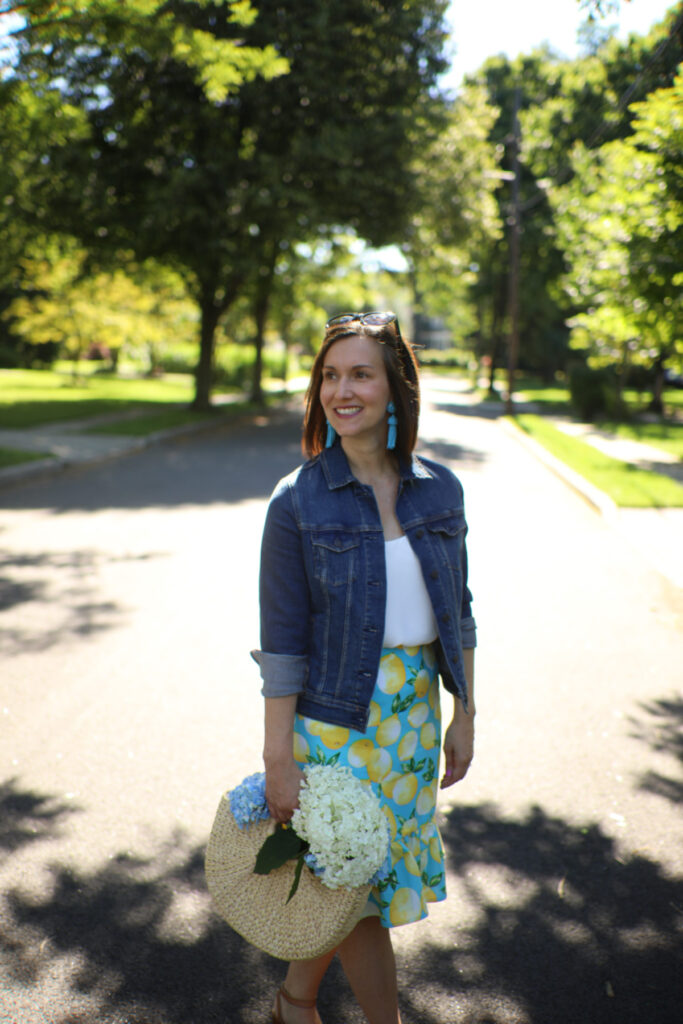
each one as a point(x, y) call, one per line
point(304, 1004)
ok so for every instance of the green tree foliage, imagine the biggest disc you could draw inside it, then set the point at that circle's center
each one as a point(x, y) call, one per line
point(61, 301)
point(221, 64)
point(591, 102)
point(211, 184)
point(621, 227)
point(454, 210)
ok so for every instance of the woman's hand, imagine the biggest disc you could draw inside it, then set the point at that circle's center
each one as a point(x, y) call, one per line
point(458, 748)
point(283, 779)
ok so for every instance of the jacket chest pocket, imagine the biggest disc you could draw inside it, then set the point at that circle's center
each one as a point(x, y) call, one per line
point(335, 558)
point(448, 537)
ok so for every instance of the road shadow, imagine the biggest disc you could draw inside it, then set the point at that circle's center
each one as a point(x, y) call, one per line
point(661, 727)
point(481, 410)
point(566, 932)
point(560, 930)
point(145, 947)
point(27, 817)
point(451, 451)
point(234, 463)
point(47, 598)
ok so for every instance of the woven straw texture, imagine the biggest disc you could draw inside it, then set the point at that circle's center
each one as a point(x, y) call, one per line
point(314, 921)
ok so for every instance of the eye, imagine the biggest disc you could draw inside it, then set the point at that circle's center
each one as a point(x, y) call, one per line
point(328, 374)
point(362, 374)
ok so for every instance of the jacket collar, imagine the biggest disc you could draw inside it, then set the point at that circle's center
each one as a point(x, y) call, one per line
point(338, 472)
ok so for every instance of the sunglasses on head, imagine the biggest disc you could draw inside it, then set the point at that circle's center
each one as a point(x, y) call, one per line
point(376, 319)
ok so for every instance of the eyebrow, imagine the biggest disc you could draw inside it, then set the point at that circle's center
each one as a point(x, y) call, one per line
point(358, 366)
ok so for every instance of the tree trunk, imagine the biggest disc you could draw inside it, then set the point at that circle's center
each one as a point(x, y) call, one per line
point(261, 302)
point(656, 402)
point(210, 315)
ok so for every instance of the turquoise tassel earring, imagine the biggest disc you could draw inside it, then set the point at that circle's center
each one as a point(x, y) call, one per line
point(331, 435)
point(393, 423)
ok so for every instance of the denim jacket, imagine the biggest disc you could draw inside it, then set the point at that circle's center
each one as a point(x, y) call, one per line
point(323, 583)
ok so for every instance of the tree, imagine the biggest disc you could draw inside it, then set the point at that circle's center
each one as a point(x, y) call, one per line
point(213, 186)
point(64, 303)
point(453, 212)
point(561, 104)
point(621, 227)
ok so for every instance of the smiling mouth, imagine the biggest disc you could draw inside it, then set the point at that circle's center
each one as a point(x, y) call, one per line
point(350, 411)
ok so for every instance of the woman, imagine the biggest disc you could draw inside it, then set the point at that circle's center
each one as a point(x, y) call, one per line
point(364, 602)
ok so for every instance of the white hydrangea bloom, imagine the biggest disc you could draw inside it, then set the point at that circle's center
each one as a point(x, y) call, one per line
point(344, 824)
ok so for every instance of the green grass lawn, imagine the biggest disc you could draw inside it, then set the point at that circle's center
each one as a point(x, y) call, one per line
point(31, 398)
point(665, 435)
point(14, 457)
point(626, 485)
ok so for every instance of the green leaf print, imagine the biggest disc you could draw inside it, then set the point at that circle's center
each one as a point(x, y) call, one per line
point(398, 705)
point(430, 773)
point(390, 882)
point(436, 880)
point(320, 758)
point(412, 765)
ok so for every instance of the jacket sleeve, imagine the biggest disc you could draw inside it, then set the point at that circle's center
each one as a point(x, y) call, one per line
point(284, 599)
point(468, 627)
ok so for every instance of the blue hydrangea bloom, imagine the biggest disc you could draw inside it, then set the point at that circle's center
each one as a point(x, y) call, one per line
point(248, 800)
point(312, 863)
point(382, 872)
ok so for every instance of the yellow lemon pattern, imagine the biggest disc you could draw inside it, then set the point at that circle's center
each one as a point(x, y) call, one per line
point(398, 756)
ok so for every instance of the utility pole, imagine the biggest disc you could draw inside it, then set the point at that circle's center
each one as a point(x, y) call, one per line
point(513, 275)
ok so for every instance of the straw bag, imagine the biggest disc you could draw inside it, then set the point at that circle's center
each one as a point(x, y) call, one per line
point(314, 921)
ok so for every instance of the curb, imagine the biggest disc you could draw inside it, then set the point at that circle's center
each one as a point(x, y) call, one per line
point(596, 498)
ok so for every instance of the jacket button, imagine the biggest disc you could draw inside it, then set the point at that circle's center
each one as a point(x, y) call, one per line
point(445, 617)
point(434, 574)
point(455, 657)
point(337, 543)
point(419, 534)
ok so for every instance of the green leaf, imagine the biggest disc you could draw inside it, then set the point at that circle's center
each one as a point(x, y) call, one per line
point(297, 877)
point(282, 845)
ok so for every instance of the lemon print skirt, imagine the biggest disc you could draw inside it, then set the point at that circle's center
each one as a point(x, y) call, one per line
point(399, 757)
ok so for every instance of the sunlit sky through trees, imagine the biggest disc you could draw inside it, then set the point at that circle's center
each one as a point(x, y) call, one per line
point(482, 28)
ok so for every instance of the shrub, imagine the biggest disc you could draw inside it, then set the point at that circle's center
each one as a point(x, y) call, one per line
point(594, 393)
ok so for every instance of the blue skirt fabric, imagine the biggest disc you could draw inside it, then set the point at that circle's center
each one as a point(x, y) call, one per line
point(398, 757)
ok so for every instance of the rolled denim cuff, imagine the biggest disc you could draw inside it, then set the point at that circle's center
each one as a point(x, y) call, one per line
point(468, 632)
point(282, 674)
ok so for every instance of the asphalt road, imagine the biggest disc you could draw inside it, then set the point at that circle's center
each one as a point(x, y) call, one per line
point(128, 702)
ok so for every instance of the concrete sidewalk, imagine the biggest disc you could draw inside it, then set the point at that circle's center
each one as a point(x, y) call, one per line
point(657, 533)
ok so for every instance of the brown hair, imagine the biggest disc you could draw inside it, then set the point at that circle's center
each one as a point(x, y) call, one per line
point(401, 367)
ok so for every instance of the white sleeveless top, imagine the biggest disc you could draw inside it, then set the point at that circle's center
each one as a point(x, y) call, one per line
point(409, 619)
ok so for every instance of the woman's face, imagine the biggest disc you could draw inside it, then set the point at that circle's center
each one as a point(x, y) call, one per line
point(354, 391)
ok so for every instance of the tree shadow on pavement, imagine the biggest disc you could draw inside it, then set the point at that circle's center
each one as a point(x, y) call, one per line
point(561, 929)
point(450, 451)
point(27, 817)
point(661, 727)
point(136, 942)
point(61, 589)
point(228, 465)
point(550, 927)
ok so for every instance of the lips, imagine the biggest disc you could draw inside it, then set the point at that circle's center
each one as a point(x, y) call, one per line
point(350, 410)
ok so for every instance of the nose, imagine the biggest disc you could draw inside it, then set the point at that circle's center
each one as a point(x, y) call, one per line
point(344, 388)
